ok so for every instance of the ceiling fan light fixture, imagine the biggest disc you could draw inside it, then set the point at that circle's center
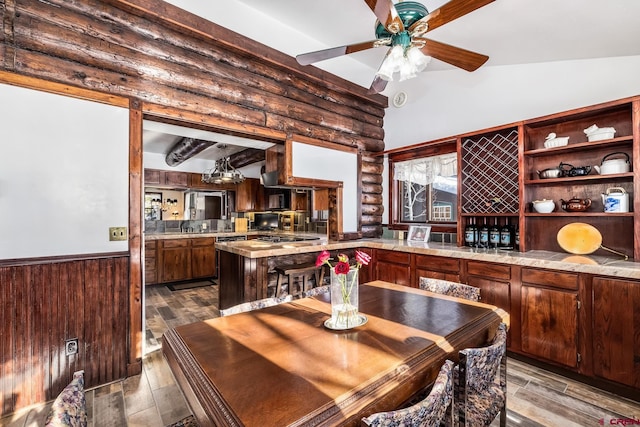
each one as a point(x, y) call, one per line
point(417, 58)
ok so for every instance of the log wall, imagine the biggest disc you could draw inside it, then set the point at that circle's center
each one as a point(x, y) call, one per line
point(175, 66)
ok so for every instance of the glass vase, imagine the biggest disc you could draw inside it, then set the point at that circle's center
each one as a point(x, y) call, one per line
point(344, 300)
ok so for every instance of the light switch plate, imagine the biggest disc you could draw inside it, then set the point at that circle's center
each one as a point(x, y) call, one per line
point(117, 233)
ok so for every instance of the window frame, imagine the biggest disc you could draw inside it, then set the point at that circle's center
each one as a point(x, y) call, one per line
point(431, 150)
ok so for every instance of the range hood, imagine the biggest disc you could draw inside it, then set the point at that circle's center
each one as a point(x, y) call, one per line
point(270, 180)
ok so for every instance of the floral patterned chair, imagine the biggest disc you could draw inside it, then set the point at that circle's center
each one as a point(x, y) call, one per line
point(453, 289)
point(431, 411)
point(480, 383)
point(70, 407)
point(255, 305)
point(318, 290)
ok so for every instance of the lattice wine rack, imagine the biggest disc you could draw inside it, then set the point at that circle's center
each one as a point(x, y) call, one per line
point(490, 173)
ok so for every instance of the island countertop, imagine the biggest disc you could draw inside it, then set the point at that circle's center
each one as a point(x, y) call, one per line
point(609, 266)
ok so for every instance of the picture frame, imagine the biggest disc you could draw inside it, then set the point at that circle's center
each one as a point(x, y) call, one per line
point(419, 233)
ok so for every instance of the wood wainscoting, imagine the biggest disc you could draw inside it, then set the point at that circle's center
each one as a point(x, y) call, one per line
point(46, 302)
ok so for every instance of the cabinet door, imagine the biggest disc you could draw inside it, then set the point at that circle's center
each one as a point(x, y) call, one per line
point(616, 330)
point(436, 267)
point(176, 260)
point(493, 292)
point(150, 263)
point(393, 267)
point(176, 179)
point(203, 257)
point(152, 177)
point(550, 324)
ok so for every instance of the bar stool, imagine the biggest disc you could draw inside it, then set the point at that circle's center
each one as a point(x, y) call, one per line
point(300, 272)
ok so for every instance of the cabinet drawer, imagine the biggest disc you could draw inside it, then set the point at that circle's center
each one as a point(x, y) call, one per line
point(487, 269)
point(150, 244)
point(436, 263)
point(178, 243)
point(549, 278)
point(149, 264)
point(203, 241)
point(394, 257)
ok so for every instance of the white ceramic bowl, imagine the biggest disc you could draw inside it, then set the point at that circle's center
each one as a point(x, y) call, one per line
point(600, 134)
point(556, 142)
point(544, 206)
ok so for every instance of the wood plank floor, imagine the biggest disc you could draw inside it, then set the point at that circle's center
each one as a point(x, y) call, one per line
point(535, 397)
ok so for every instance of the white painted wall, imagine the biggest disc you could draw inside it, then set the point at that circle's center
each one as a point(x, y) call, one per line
point(64, 174)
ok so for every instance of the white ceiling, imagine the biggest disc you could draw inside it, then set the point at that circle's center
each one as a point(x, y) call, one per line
point(510, 32)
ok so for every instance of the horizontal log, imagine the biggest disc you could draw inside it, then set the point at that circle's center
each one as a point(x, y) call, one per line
point(371, 188)
point(371, 199)
point(371, 178)
point(371, 219)
point(372, 209)
point(372, 158)
point(246, 157)
point(372, 168)
point(371, 231)
point(187, 23)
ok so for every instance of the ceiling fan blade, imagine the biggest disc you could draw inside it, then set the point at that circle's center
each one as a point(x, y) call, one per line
point(453, 10)
point(387, 14)
point(321, 55)
point(377, 85)
point(455, 56)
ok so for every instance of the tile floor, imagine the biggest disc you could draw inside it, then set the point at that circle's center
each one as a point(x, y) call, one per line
point(535, 397)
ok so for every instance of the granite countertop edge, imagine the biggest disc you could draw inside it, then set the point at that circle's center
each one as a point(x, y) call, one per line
point(597, 265)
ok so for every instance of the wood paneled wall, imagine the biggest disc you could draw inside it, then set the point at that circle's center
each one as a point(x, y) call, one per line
point(43, 305)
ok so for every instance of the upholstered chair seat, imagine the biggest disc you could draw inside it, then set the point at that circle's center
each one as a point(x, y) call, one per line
point(69, 409)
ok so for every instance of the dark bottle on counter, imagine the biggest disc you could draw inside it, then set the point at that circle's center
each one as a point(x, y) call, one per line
point(516, 244)
point(506, 236)
point(494, 234)
point(471, 233)
point(483, 235)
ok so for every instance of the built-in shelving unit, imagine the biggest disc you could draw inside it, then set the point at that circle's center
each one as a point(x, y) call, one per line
point(619, 231)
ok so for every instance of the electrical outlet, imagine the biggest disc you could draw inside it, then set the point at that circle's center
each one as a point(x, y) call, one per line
point(71, 346)
point(117, 233)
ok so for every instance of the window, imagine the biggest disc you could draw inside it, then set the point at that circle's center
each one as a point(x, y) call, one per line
point(426, 189)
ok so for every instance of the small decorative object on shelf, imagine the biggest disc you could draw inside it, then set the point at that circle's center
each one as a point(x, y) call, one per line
point(615, 200)
point(575, 204)
point(594, 133)
point(544, 206)
point(344, 290)
point(552, 140)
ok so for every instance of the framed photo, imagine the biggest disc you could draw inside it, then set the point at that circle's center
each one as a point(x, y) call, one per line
point(419, 233)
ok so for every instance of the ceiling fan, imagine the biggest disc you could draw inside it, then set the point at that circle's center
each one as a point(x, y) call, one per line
point(401, 27)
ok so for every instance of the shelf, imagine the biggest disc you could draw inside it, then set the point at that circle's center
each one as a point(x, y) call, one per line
point(628, 176)
point(577, 214)
point(615, 142)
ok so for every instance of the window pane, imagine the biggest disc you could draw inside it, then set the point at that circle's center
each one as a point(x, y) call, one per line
point(428, 189)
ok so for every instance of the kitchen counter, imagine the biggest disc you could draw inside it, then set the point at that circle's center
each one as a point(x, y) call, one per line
point(609, 266)
point(163, 236)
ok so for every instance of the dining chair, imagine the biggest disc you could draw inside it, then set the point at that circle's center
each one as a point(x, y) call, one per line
point(255, 305)
point(431, 411)
point(318, 290)
point(69, 409)
point(453, 289)
point(480, 383)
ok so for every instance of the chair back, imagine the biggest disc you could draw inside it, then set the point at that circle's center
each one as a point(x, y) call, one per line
point(453, 289)
point(480, 383)
point(69, 409)
point(254, 305)
point(318, 290)
point(430, 411)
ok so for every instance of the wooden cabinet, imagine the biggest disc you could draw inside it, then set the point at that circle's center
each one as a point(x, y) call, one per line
point(150, 263)
point(162, 178)
point(616, 330)
point(393, 267)
point(186, 259)
point(494, 281)
point(367, 273)
point(549, 315)
point(299, 200)
point(435, 267)
point(538, 230)
point(203, 257)
point(320, 201)
point(249, 195)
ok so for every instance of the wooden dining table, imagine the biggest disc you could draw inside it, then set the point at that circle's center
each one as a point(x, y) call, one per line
point(281, 366)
